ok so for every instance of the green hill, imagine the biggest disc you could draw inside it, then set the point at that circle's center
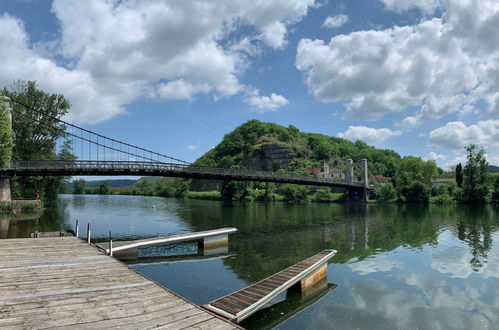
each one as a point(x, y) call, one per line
point(493, 169)
point(266, 146)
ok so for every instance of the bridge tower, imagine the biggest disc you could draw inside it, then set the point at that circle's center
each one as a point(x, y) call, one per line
point(364, 173)
point(5, 181)
point(349, 171)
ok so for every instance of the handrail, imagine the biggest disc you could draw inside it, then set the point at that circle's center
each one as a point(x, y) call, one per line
point(26, 165)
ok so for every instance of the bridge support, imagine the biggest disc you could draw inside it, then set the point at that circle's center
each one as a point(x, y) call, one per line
point(364, 173)
point(5, 195)
point(357, 195)
point(349, 171)
point(314, 278)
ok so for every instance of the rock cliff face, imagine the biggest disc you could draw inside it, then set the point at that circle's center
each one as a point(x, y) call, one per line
point(268, 157)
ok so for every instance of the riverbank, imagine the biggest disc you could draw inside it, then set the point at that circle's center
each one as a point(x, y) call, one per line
point(18, 205)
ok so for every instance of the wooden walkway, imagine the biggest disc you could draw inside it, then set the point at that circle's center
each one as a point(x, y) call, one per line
point(64, 282)
point(241, 304)
point(208, 238)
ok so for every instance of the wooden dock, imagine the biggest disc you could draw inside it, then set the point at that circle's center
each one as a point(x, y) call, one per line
point(65, 282)
point(207, 239)
point(239, 305)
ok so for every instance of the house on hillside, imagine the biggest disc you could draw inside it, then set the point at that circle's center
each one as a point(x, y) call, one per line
point(325, 172)
point(378, 179)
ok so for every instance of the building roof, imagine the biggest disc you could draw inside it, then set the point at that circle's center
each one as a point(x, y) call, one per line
point(379, 179)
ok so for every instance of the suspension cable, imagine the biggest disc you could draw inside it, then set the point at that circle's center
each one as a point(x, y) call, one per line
point(104, 137)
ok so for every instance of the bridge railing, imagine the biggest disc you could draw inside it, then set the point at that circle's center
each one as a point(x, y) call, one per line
point(160, 166)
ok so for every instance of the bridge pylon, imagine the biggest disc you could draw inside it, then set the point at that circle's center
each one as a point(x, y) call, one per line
point(5, 195)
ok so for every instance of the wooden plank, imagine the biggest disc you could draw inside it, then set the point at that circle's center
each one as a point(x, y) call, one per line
point(64, 282)
point(23, 294)
point(71, 299)
point(124, 301)
point(211, 324)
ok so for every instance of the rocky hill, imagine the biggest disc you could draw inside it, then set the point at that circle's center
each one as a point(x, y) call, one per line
point(266, 146)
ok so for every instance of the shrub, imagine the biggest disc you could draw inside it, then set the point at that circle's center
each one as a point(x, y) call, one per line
point(386, 193)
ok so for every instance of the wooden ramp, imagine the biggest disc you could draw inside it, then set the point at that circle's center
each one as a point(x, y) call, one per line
point(65, 282)
point(241, 304)
point(208, 238)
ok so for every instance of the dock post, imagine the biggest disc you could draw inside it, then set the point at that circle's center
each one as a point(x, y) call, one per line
point(216, 241)
point(110, 244)
point(314, 278)
point(77, 228)
point(88, 233)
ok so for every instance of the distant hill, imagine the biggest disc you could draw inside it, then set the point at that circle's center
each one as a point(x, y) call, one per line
point(493, 169)
point(267, 146)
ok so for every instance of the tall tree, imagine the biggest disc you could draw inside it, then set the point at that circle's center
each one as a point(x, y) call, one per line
point(459, 175)
point(475, 175)
point(36, 130)
point(79, 186)
point(6, 141)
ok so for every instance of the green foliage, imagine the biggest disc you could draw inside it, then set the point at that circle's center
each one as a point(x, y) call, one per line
point(459, 175)
point(35, 132)
point(495, 191)
point(6, 140)
point(247, 140)
point(413, 179)
point(5, 206)
point(386, 193)
point(294, 193)
point(325, 195)
point(444, 194)
point(79, 186)
point(103, 188)
point(475, 175)
point(207, 195)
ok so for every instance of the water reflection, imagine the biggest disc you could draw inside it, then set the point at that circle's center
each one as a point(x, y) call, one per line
point(408, 266)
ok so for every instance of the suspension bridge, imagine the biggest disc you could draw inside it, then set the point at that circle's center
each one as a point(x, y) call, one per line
point(106, 156)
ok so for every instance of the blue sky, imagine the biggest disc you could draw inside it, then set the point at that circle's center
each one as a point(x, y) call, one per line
point(416, 76)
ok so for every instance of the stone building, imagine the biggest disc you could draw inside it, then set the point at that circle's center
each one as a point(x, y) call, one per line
point(325, 172)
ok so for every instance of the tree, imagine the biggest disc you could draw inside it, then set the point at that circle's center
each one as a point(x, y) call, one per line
point(6, 141)
point(495, 191)
point(386, 193)
point(459, 175)
point(413, 180)
point(103, 188)
point(323, 195)
point(475, 175)
point(79, 186)
point(36, 130)
point(294, 192)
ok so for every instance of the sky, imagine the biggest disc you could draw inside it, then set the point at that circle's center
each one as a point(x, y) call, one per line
point(420, 77)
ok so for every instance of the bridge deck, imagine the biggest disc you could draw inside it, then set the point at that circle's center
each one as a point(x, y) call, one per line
point(241, 304)
point(200, 235)
point(64, 282)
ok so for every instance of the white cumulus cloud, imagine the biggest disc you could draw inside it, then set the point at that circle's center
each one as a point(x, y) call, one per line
point(425, 6)
point(117, 51)
point(436, 157)
point(456, 135)
point(440, 66)
point(368, 134)
point(191, 147)
point(266, 103)
point(334, 22)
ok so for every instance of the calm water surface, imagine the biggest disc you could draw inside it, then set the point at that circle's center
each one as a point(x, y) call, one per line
point(397, 267)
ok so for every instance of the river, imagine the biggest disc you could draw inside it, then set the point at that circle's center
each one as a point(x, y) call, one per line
point(408, 266)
